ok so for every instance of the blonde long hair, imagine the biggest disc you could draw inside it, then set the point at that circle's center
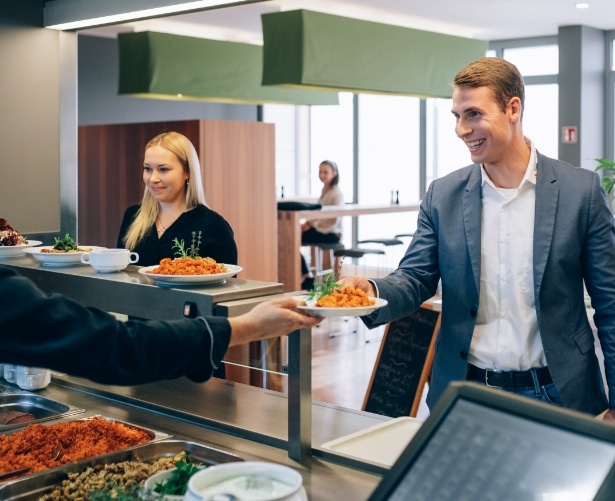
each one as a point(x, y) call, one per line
point(181, 146)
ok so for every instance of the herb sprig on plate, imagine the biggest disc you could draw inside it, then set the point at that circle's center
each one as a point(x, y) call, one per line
point(329, 284)
point(192, 251)
point(65, 243)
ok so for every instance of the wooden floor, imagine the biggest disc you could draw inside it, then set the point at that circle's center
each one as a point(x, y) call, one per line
point(344, 352)
point(343, 357)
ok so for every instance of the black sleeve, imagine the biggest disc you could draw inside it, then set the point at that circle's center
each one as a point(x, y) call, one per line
point(60, 334)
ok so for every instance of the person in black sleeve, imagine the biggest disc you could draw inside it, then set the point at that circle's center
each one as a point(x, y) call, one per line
point(57, 333)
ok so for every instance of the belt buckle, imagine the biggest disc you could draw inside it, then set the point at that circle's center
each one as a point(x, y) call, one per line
point(487, 379)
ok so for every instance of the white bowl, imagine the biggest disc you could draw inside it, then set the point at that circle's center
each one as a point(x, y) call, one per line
point(158, 478)
point(249, 480)
point(109, 269)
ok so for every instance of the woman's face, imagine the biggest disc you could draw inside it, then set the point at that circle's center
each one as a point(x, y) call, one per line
point(164, 175)
point(325, 174)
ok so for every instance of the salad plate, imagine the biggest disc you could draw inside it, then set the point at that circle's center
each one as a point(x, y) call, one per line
point(59, 259)
point(8, 251)
point(309, 307)
point(189, 280)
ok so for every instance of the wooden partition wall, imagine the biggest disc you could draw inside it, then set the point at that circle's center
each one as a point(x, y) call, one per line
point(238, 166)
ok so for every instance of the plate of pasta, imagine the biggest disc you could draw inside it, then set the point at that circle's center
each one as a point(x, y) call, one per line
point(51, 257)
point(189, 272)
point(340, 303)
point(7, 251)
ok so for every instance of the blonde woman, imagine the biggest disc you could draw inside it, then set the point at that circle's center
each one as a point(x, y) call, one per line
point(173, 207)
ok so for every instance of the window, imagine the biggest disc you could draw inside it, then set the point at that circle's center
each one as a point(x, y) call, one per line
point(534, 60)
point(445, 151)
point(331, 131)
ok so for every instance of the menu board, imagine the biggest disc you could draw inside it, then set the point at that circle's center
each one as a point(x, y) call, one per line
point(403, 364)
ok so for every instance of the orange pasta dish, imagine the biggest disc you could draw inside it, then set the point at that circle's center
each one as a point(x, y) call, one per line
point(189, 266)
point(348, 297)
point(40, 447)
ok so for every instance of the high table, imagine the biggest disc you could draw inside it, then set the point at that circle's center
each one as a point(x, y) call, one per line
point(289, 234)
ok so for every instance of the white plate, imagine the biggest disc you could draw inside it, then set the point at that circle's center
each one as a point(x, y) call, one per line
point(356, 311)
point(190, 280)
point(17, 250)
point(382, 443)
point(58, 259)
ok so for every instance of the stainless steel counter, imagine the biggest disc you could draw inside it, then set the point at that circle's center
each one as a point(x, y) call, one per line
point(133, 294)
point(224, 415)
point(252, 422)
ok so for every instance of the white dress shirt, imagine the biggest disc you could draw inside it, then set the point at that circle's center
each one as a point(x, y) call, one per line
point(506, 335)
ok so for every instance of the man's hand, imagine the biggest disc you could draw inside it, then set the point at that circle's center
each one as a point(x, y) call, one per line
point(609, 415)
point(273, 318)
point(358, 283)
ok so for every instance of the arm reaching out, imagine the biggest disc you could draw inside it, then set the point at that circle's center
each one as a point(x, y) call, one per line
point(273, 318)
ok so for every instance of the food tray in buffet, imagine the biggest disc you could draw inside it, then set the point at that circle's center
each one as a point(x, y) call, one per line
point(31, 489)
point(21, 408)
point(52, 446)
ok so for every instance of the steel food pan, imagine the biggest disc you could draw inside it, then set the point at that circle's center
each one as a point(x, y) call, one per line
point(32, 487)
point(154, 436)
point(42, 408)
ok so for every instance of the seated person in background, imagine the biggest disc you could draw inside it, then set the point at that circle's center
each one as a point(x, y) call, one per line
point(173, 207)
point(57, 333)
point(321, 231)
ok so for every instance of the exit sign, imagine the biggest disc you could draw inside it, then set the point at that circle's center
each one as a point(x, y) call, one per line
point(569, 134)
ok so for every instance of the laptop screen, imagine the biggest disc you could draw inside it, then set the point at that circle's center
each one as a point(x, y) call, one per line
point(480, 443)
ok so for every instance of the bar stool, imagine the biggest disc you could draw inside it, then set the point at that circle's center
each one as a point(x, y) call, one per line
point(405, 235)
point(321, 266)
point(356, 253)
point(384, 242)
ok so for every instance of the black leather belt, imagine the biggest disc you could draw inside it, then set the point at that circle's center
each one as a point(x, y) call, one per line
point(508, 379)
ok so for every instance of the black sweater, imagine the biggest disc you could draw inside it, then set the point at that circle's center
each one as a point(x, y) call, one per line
point(54, 332)
point(217, 239)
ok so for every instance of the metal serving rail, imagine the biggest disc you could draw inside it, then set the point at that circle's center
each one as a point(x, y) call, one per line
point(128, 292)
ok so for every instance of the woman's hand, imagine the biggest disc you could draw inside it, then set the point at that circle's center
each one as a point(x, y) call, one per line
point(358, 283)
point(273, 318)
point(305, 226)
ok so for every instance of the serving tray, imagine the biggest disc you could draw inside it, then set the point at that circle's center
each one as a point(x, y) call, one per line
point(42, 408)
point(154, 436)
point(30, 489)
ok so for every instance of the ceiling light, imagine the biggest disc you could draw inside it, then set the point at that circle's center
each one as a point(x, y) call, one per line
point(74, 14)
point(582, 5)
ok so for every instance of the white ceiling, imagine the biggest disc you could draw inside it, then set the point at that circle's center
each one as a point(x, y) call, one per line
point(481, 19)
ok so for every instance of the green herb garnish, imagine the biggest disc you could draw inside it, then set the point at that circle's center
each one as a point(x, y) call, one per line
point(177, 483)
point(328, 286)
point(65, 244)
point(117, 493)
point(192, 251)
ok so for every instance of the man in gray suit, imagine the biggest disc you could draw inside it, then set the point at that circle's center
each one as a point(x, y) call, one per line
point(513, 237)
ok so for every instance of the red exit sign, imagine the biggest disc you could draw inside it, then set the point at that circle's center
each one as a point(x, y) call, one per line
point(569, 134)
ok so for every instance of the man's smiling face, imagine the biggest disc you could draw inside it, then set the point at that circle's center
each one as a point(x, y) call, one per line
point(481, 124)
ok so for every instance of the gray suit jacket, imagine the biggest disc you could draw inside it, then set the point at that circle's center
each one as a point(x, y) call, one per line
point(574, 241)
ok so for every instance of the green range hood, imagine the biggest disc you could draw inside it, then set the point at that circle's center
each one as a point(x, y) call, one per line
point(165, 66)
point(307, 49)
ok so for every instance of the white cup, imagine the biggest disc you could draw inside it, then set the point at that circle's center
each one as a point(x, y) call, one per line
point(10, 373)
point(32, 378)
point(109, 260)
